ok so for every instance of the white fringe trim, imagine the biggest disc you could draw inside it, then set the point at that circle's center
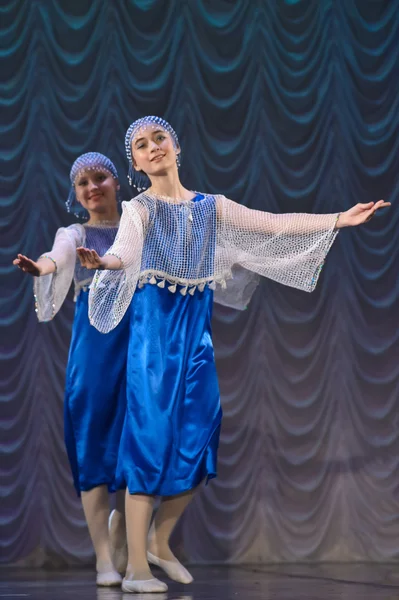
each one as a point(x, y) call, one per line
point(187, 285)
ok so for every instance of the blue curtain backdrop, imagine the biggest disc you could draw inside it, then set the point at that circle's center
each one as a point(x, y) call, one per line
point(284, 106)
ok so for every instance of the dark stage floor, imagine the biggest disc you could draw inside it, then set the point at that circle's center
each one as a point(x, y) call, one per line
point(288, 582)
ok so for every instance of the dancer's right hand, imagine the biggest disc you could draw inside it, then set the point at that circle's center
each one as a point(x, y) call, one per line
point(89, 259)
point(27, 265)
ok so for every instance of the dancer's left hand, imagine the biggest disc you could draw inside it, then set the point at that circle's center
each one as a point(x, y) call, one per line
point(360, 213)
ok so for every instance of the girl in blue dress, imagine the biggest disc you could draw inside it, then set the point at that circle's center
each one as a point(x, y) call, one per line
point(176, 252)
point(95, 405)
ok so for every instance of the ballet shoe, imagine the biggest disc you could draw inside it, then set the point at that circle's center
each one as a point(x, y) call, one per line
point(108, 579)
point(173, 569)
point(144, 586)
point(118, 555)
point(145, 596)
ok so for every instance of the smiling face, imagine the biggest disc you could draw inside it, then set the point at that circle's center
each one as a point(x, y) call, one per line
point(153, 151)
point(96, 189)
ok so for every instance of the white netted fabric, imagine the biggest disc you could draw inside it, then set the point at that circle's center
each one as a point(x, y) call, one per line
point(111, 291)
point(186, 245)
point(50, 290)
point(288, 248)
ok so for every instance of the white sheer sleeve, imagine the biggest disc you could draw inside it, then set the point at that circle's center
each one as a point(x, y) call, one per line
point(288, 248)
point(51, 290)
point(111, 292)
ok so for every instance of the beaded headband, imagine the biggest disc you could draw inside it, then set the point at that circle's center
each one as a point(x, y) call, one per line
point(139, 179)
point(91, 161)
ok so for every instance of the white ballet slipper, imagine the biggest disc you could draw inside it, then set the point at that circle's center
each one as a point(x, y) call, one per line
point(173, 569)
point(108, 579)
point(147, 596)
point(118, 555)
point(144, 586)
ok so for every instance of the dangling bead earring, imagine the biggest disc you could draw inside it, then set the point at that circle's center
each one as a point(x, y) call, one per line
point(137, 179)
point(73, 206)
point(178, 161)
point(130, 175)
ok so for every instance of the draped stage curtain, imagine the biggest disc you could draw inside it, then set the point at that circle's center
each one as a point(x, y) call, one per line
point(284, 106)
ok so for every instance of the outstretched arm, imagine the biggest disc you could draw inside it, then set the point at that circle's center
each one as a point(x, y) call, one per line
point(90, 260)
point(43, 266)
point(288, 248)
point(244, 219)
point(61, 256)
point(53, 272)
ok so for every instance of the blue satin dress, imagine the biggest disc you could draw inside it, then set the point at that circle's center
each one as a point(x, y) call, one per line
point(95, 404)
point(171, 430)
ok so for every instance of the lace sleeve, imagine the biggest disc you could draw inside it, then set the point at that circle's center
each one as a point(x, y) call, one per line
point(111, 292)
point(288, 248)
point(50, 290)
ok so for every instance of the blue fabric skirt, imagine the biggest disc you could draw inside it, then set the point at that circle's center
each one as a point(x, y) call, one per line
point(171, 431)
point(95, 399)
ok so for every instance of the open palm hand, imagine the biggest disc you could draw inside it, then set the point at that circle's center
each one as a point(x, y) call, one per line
point(361, 213)
point(89, 258)
point(27, 265)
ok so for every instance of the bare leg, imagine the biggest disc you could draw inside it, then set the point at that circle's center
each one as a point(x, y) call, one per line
point(117, 534)
point(138, 517)
point(96, 508)
point(167, 516)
